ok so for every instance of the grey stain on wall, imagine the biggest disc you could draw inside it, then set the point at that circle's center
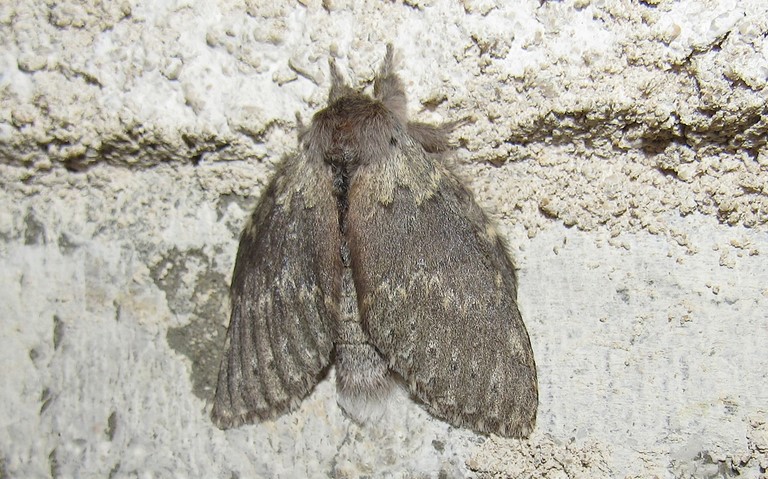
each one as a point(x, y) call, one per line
point(195, 290)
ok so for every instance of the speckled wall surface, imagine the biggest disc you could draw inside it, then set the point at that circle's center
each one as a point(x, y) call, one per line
point(620, 145)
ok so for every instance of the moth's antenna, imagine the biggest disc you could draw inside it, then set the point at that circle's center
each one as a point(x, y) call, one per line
point(388, 88)
point(338, 87)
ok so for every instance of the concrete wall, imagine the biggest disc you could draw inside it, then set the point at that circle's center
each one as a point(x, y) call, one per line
point(621, 146)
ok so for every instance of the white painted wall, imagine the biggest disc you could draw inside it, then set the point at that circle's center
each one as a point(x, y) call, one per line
point(621, 145)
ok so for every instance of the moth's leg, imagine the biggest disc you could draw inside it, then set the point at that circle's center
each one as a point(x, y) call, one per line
point(435, 138)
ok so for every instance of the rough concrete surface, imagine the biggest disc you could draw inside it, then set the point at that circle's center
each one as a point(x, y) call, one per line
point(621, 146)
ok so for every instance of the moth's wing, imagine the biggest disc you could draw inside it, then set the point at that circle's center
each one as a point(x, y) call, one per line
point(285, 297)
point(437, 292)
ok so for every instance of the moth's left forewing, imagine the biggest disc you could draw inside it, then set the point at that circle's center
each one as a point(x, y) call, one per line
point(285, 294)
point(437, 291)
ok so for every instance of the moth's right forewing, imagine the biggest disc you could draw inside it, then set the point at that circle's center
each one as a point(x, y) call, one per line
point(285, 297)
point(437, 293)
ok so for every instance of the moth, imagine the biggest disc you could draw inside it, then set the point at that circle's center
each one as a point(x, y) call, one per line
point(366, 249)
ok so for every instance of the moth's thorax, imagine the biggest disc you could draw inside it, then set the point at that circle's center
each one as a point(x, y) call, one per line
point(351, 131)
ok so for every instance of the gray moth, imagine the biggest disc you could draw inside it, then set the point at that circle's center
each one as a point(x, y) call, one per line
point(366, 250)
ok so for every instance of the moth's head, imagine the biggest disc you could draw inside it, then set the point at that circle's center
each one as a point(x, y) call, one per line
point(354, 129)
point(354, 111)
